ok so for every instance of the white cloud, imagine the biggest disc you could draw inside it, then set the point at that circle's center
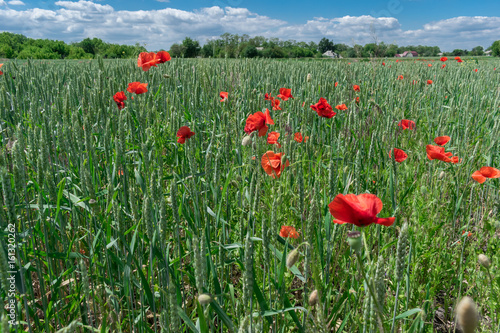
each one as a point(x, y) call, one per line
point(15, 3)
point(74, 21)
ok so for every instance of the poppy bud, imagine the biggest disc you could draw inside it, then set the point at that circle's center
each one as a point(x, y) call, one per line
point(442, 174)
point(247, 141)
point(292, 258)
point(313, 298)
point(205, 299)
point(423, 190)
point(309, 77)
point(166, 76)
point(484, 261)
point(467, 315)
point(354, 240)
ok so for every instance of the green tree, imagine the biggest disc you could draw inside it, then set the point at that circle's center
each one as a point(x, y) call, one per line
point(495, 48)
point(325, 45)
point(477, 51)
point(250, 51)
point(177, 51)
point(191, 48)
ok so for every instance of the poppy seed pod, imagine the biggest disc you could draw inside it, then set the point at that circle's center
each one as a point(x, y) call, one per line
point(354, 240)
point(442, 174)
point(292, 258)
point(484, 261)
point(247, 141)
point(205, 299)
point(166, 76)
point(309, 77)
point(313, 298)
point(467, 315)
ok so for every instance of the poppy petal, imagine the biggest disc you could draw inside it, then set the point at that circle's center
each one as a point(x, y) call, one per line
point(478, 177)
point(490, 172)
point(388, 221)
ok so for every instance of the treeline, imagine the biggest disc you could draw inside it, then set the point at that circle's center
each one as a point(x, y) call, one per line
point(21, 47)
point(226, 46)
point(242, 46)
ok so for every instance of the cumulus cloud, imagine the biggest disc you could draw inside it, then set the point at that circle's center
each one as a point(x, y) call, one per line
point(74, 21)
point(15, 3)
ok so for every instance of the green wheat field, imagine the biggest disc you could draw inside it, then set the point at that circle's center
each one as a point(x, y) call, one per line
point(109, 224)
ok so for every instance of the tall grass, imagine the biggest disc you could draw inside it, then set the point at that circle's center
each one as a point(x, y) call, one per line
point(119, 228)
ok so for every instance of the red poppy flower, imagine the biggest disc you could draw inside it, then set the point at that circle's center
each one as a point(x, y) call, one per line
point(442, 140)
point(137, 87)
point(356, 87)
point(162, 57)
point(336, 84)
point(272, 138)
point(1, 67)
point(443, 66)
point(285, 94)
point(485, 172)
point(184, 133)
point(146, 60)
point(399, 155)
point(457, 58)
point(258, 122)
point(357, 100)
point(429, 81)
point(223, 95)
point(287, 231)
point(298, 137)
point(341, 107)
point(475, 70)
point(323, 108)
point(119, 97)
point(268, 97)
point(360, 210)
point(275, 104)
point(460, 60)
point(438, 153)
point(443, 59)
point(383, 64)
point(303, 104)
point(272, 163)
point(407, 124)
point(429, 65)
point(400, 77)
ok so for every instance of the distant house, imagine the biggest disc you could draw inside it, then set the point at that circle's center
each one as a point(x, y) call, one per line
point(407, 54)
point(488, 53)
point(259, 48)
point(331, 54)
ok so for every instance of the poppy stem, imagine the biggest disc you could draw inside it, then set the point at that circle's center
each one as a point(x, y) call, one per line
point(372, 293)
point(395, 307)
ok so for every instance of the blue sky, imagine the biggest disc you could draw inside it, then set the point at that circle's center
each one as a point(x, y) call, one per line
point(159, 23)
